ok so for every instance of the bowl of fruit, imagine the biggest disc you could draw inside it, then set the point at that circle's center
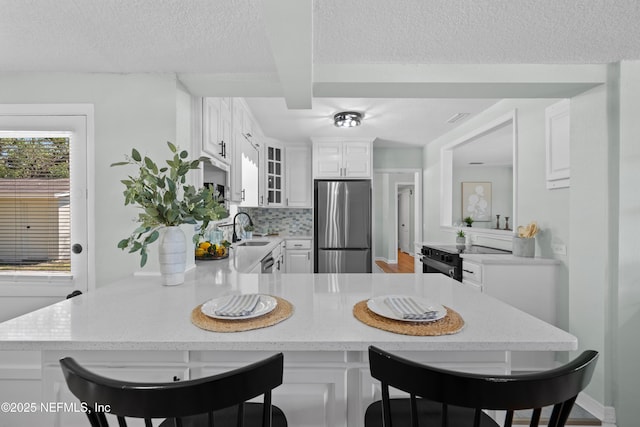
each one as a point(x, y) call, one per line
point(210, 251)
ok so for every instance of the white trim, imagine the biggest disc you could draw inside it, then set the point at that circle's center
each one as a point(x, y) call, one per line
point(397, 194)
point(418, 201)
point(606, 414)
point(446, 173)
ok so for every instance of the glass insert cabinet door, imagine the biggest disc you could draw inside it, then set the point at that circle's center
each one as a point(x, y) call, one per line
point(275, 172)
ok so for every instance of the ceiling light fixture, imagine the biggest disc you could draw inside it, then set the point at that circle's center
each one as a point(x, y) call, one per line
point(347, 119)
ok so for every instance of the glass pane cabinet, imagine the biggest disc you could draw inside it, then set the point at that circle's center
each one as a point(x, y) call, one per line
point(275, 171)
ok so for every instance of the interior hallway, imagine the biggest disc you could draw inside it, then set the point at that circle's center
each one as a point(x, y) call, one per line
point(404, 265)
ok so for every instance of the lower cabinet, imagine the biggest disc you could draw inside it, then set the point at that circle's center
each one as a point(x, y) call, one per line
point(64, 409)
point(313, 393)
point(320, 388)
point(528, 284)
point(298, 256)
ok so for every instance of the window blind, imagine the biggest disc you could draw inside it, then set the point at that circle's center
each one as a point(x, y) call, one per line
point(35, 214)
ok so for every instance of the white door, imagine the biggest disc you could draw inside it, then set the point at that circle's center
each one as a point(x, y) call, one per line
point(403, 220)
point(70, 207)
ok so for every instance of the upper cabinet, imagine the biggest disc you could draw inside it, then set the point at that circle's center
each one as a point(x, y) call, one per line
point(262, 172)
point(342, 158)
point(298, 181)
point(245, 166)
point(216, 129)
point(274, 178)
point(557, 120)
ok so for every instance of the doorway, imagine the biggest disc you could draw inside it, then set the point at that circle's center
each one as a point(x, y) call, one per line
point(404, 218)
point(388, 184)
point(51, 229)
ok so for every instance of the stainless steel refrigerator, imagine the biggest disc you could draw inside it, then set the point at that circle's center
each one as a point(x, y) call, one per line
point(342, 232)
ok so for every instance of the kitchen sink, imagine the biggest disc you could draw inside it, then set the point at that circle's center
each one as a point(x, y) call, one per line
point(254, 243)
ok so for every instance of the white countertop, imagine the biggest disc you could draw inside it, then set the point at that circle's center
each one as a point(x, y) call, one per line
point(507, 259)
point(140, 314)
point(243, 259)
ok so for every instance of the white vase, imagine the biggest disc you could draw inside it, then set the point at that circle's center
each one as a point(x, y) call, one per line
point(173, 256)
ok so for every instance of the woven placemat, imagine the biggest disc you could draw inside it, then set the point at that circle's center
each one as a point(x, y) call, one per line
point(450, 324)
point(283, 310)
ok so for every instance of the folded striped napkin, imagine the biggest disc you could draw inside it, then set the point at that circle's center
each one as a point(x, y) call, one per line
point(410, 309)
point(238, 305)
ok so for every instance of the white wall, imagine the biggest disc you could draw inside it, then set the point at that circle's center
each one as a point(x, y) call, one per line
point(397, 158)
point(589, 244)
point(131, 110)
point(583, 217)
point(535, 203)
point(627, 317)
point(550, 208)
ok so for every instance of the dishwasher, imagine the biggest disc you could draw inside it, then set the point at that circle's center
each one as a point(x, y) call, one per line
point(266, 265)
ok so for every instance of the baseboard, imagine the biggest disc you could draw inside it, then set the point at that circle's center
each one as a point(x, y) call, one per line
point(607, 414)
point(386, 261)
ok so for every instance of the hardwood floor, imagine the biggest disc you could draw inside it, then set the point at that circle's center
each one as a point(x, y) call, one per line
point(404, 265)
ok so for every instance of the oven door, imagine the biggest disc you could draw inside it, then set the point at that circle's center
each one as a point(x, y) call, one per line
point(432, 266)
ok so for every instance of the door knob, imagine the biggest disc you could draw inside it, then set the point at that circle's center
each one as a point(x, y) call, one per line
point(76, 248)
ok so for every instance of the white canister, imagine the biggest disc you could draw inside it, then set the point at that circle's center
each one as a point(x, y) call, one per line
point(524, 246)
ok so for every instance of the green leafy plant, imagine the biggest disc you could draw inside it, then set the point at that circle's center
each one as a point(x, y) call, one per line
point(468, 220)
point(461, 233)
point(165, 198)
point(249, 228)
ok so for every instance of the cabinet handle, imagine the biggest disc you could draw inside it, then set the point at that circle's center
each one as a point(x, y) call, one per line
point(308, 255)
point(243, 193)
point(467, 271)
point(261, 200)
point(222, 150)
point(299, 245)
point(287, 201)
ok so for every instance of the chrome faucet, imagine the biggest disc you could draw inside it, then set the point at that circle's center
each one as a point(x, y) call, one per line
point(235, 236)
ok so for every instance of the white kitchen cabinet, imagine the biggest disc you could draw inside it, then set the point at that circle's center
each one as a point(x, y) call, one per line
point(342, 158)
point(126, 366)
point(216, 129)
point(278, 258)
point(249, 165)
point(529, 284)
point(558, 141)
point(274, 173)
point(299, 257)
point(245, 166)
point(314, 388)
point(298, 182)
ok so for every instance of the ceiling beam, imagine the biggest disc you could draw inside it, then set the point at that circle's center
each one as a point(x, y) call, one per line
point(456, 80)
point(289, 25)
point(232, 84)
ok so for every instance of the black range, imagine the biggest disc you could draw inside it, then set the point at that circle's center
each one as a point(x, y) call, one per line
point(446, 259)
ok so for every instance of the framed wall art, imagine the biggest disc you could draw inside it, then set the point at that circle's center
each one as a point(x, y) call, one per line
point(476, 200)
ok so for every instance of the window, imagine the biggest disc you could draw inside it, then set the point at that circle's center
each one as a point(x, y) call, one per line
point(35, 214)
point(44, 199)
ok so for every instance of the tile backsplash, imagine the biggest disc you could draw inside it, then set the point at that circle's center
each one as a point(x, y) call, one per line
point(282, 220)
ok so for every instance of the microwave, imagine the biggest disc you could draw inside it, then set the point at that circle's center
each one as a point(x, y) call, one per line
point(219, 189)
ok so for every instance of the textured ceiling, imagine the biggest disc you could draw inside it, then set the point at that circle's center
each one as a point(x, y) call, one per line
point(476, 31)
point(133, 36)
point(218, 36)
point(390, 121)
point(297, 48)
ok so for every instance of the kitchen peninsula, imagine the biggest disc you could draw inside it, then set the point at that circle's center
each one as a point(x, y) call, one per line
point(141, 330)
